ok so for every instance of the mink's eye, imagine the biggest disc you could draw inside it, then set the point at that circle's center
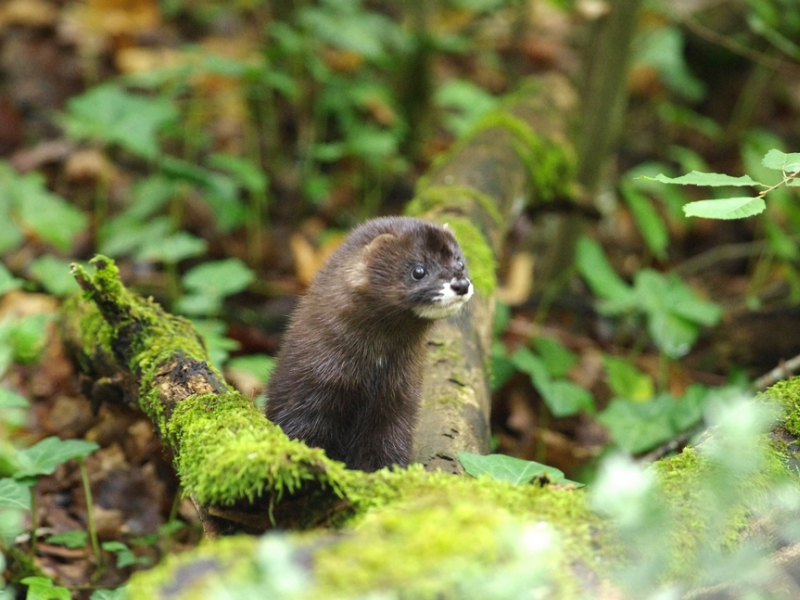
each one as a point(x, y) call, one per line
point(459, 265)
point(419, 272)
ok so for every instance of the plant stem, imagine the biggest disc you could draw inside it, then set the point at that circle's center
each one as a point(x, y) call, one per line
point(87, 491)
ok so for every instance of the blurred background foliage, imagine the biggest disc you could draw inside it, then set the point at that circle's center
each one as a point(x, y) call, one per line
point(219, 149)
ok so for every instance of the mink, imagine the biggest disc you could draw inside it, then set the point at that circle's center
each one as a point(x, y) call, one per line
point(349, 372)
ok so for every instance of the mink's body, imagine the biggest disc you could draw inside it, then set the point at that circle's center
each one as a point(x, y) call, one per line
point(349, 372)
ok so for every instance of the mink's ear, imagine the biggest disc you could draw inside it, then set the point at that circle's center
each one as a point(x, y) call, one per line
point(358, 273)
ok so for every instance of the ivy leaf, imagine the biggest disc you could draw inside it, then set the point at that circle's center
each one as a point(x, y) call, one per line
point(14, 494)
point(726, 208)
point(125, 556)
point(557, 358)
point(781, 161)
point(708, 179)
point(508, 468)
point(42, 588)
point(43, 458)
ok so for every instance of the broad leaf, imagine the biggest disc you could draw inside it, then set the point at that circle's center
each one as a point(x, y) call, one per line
point(7, 280)
point(508, 468)
point(557, 358)
point(651, 224)
point(781, 161)
point(54, 274)
point(219, 278)
point(9, 399)
point(601, 277)
point(726, 208)
point(42, 588)
point(14, 494)
point(43, 458)
point(709, 179)
point(565, 398)
point(48, 215)
point(627, 381)
point(70, 539)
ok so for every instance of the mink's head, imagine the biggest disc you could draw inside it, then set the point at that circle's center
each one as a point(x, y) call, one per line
point(405, 264)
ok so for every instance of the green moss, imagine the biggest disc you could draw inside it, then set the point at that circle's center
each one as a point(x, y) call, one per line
point(787, 394)
point(226, 451)
point(418, 533)
point(693, 485)
point(435, 199)
point(478, 253)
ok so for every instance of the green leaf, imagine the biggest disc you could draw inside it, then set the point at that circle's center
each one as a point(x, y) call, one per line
point(781, 161)
point(43, 458)
point(726, 208)
point(639, 426)
point(126, 234)
point(7, 280)
point(708, 179)
point(70, 539)
point(42, 588)
point(9, 399)
point(557, 358)
point(651, 225)
point(125, 556)
point(243, 170)
point(14, 494)
point(259, 365)
point(172, 249)
point(11, 525)
point(673, 311)
point(598, 273)
point(28, 336)
point(54, 275)
point(565, 398)
point(219, 278)
point(508, 468)
point(118, 594)
point(627, 381)
point(111, 114)
point(527, 362)
point(51, 217)
point(466, 103)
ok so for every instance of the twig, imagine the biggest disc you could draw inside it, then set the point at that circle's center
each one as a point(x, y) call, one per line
point(782, 371)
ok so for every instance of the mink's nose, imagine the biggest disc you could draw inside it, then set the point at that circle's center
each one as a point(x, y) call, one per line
point(460, 286)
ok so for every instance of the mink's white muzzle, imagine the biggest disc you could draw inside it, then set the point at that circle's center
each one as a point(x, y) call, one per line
point(448, 301)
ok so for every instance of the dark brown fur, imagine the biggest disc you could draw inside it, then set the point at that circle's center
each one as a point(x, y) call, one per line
point(349, 373)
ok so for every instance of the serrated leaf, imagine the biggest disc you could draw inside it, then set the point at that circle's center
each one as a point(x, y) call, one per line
point(726, 208)
point(707, 179)
point(43, 458)
point(14, 494)
point(508, 468)
point(781, 161)
point(639, 426)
